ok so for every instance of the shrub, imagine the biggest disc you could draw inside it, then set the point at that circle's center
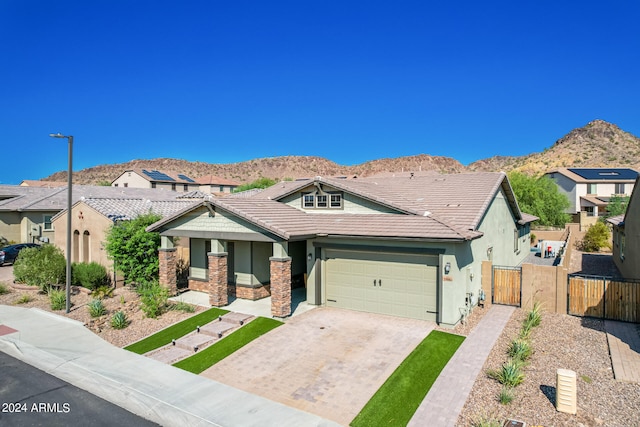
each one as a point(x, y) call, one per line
point(519, 349)
point(534, 317)
point(96, 308)
point(102, 292)
point(4, 289)
point(505, 396)
point(42, 267)
point(153, 298)
point(486, 421)
point(183, 306)
point(119, 320)
point(510, 374)
point(596, 237)
point(89, 275)
point(58, 299)
point(24, 298)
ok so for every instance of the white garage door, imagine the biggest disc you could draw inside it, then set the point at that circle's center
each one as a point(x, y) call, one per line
point(397, 284)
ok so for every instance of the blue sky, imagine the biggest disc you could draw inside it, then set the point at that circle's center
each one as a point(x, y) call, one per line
point(352, 81)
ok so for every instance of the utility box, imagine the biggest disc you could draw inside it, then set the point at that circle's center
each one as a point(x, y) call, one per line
point(566, 391)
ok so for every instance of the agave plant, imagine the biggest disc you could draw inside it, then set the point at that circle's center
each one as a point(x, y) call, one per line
point(119, 320)
point(96, 308)
point(519, 349)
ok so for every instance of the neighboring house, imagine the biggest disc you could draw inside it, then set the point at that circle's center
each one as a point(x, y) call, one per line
point(590, 189)
point(47, 184)
point(214, 184)
point(626, 237)
point(144, 178)
point(92, 217)
point(404, 246)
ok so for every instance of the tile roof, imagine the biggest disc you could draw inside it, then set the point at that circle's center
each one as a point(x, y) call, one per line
point(127, 209)
point(585, 175)
point(153, 175)
point(616, 220)
point(47, 184)
point(215, 180)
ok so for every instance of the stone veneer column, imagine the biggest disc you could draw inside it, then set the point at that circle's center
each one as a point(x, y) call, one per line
point(168, 270)
point(218, 296)
point(280, 286)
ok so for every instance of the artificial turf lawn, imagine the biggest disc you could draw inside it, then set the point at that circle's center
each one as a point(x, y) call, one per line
point(216, 352)
point(397, 399)
point(176, 331)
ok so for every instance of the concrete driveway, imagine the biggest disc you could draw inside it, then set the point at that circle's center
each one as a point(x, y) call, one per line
point(327, 361)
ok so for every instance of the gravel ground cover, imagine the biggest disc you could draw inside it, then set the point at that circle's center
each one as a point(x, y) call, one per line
point(124, 299)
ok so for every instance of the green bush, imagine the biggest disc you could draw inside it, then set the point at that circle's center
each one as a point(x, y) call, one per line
point(182, 306)
point(96, 308)
point(519, 349)
point(119, 320)
point(153, 298)
point(102, 292)
point(510, 374)
point(596, 237)
point(42, 267)
point(89, 275)
point(505, 396)
point(24, 298)
point(58, 299)
point(4, 289)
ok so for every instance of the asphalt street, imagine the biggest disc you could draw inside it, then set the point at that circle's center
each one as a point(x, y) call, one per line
point(31, 397)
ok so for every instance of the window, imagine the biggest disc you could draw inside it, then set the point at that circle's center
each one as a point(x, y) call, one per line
point(321, 201)
point(221, 189)
point(173, 187)
point(47, 222)
point(516, 240)
point(153, 185)
point(126, 184)
point(619, 188)
point(115, 185)
point(622, 246)
point(309, 201)
point(185, 187)
point(592, 188)
point(336, 200)
point(589, 210)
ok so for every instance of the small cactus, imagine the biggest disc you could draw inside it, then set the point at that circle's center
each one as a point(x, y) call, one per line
point(96, 308)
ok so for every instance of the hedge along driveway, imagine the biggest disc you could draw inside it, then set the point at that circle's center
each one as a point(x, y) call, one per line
point(176, 331)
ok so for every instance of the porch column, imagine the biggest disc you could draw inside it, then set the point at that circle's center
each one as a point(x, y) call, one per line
point(218, 274)
point(168, 269)
point(280, 270)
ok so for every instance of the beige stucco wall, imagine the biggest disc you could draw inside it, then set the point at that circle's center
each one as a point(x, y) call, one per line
point(131, 179)
point(629, 264)
point(10, 227)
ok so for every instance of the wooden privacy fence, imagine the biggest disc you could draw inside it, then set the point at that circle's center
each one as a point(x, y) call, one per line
point(507, 285)
point(604, 298)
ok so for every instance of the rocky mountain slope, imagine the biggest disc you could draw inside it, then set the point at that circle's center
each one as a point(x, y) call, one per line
point(598, 144)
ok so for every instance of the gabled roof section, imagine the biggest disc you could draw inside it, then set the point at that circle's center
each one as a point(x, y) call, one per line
point(128, 209)
point(154, 175)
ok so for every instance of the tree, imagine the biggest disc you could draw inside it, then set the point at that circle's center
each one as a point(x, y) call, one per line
point(617, 205)
point(596, 237)
point(134, 250)
point(258, 183)
point(540, 197)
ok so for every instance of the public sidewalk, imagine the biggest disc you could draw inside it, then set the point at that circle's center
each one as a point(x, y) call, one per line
point(150, 389)
point(445, 400)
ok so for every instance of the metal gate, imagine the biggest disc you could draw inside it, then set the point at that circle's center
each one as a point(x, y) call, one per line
point(506, 285)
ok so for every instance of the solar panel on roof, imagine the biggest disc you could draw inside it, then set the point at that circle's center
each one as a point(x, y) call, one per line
point(157, 175)
point(185, 178)
point(605, 174)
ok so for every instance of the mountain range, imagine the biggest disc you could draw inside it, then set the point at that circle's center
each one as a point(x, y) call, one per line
point(597, 144)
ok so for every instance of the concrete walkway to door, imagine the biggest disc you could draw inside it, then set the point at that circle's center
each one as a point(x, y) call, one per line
point(327, 361)
point(445, 400)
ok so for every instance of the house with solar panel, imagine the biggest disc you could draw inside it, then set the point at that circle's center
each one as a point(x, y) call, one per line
point(589, 190)
point(144, 178)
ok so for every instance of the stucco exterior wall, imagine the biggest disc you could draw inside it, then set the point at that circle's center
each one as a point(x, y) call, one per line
point(350, 204)
point(131, 179)
point(10, 227)
point(627, 258)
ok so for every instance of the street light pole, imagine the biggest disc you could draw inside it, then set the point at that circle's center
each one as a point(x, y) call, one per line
point(69, 193)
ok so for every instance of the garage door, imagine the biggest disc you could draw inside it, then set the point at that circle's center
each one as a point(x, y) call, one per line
point(397, 284)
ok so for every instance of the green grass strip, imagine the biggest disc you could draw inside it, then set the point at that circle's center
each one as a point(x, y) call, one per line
point(399, 397)
point(211, 355)
point(176, 331)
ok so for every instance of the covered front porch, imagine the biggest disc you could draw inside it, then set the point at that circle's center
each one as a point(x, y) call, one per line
point(239, 268)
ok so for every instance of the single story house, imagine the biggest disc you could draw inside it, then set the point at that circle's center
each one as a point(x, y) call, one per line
point(590, 189)
point(626, 237)
point(409, 246)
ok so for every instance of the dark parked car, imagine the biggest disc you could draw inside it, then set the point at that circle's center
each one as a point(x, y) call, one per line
point(10, 253)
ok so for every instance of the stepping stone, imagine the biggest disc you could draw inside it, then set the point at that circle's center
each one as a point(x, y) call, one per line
point(216, 329)
point(169, 355)
point(193, 342)
point(237, 318)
